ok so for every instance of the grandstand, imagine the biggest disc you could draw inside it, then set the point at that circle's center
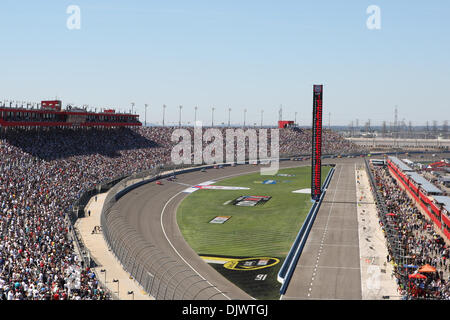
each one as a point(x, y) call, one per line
point(422, 191)
point(415, 224)
point(50, 115)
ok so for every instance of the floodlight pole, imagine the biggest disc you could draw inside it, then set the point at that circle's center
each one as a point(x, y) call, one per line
point(245, 111)
point(195, 114)
point(146, 105)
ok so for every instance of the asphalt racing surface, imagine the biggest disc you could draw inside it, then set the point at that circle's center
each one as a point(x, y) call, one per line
point(329, 267)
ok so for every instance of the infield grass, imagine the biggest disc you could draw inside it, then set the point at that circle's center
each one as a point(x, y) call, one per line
point(262, 230)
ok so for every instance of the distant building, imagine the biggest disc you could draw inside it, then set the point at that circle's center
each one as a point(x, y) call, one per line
point(283, 124)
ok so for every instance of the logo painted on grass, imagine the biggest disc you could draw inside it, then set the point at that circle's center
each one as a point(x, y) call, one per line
point(304, 191)
point(243, 264)
point(208, 186)
point(251, 201)
point(266, 182)
point(220, 219)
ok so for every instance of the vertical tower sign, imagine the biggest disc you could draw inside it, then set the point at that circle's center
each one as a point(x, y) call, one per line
point(316, 177)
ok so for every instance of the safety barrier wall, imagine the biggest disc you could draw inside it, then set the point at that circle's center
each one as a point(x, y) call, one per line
point(288, 267)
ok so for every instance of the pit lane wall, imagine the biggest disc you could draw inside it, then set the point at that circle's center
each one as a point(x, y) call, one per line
point(289, 264)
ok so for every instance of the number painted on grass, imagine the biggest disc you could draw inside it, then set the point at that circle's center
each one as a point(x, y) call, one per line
point(261, 277)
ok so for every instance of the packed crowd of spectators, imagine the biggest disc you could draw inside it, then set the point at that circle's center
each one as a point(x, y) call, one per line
point(298, 141)
point(419, 242)
point(43, 172)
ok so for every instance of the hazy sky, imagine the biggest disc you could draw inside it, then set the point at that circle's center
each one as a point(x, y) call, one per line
point(252, 54)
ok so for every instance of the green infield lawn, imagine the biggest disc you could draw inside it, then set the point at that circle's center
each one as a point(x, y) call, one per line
point(263, 230)
point(266, 230)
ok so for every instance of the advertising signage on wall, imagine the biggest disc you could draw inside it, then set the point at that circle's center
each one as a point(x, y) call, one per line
point(316, 187)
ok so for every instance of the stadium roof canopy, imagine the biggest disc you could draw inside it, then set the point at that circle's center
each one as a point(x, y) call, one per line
point(439, 164)
point(424, 183)
point(402, 166)
point(444, 200)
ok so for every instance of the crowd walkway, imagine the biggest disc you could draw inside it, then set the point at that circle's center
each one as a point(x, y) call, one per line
point(108, 267)
point(377, 275)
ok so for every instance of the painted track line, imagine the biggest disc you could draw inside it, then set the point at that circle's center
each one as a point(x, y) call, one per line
point(324, 233)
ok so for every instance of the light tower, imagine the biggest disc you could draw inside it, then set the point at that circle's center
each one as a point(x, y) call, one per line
point(396, 121)
point(195, 114)
point(245, 112)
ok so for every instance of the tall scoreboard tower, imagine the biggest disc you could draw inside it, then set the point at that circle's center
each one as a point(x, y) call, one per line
point(316, 157)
